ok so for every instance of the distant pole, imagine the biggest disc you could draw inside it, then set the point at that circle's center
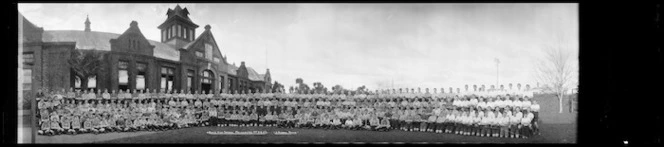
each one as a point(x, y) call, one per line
point(265, 47)
point(497, 73)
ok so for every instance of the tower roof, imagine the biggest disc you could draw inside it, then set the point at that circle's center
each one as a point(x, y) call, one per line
point(178, 13)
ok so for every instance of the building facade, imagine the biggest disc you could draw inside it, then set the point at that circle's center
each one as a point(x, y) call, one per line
point(179, 61)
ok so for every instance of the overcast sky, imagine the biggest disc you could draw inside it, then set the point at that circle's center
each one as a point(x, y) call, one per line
point(377, 45)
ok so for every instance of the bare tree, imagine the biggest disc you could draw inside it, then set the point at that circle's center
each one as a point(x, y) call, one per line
point(555, 69)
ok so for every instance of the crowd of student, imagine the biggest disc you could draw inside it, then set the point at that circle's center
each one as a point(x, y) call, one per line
point(477, 113)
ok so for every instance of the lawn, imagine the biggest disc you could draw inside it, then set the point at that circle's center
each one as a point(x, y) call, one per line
point(554, 133)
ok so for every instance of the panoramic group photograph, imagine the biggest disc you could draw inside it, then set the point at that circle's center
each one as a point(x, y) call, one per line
point(219, 73)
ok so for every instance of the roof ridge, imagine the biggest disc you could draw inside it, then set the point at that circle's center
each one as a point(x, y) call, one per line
point(101, 41)
point(106, 33)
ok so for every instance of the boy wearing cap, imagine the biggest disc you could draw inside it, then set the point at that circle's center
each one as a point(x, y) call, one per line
point(65, 122)
point(46, 128)
point(104, 124)
point(384, 124)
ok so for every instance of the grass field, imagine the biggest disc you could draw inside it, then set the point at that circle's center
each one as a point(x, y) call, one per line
point(553, 133)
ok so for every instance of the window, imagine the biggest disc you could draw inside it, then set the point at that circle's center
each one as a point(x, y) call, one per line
point(208, 51)
point(123, 75)
point(163, 35)
point(230, 82)
point(167, 78)
point(140, 77)
point(191, 33)
point(28, 59)
point(27, 79)
point(207, 79)
point(132, 44)
point(216, 60)
point(173, 31)
point(169, 33)
point(179, 30)
point(221, 84)
point(199, 54)
point(185, 34)
point(190, 80)
point(92, 82)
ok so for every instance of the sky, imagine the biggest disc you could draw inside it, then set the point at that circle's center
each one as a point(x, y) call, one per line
point(376, 45)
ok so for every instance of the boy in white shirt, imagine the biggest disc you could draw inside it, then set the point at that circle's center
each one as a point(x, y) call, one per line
point(485, 123)
point(450, 123)
point(482, 103)
point(473, 101)
point(504, 125)
point(458, 119)
point(477, 127)
point(525, 104)
point(515, 121)
point(493, 122)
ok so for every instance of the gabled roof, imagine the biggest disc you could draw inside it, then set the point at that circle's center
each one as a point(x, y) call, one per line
point(253, 75)
point(232, 69)
point(101, 41)
point(27, 22)
point(206, 33)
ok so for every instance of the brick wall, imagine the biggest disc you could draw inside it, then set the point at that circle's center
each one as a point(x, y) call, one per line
point(56, 70)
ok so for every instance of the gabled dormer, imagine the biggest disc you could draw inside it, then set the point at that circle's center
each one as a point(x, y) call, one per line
point(242, 71)
point(132, 41)
point(178, 30)
point(205, 48)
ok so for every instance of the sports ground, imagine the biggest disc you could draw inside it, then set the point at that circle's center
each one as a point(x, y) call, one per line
point(555, 128)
